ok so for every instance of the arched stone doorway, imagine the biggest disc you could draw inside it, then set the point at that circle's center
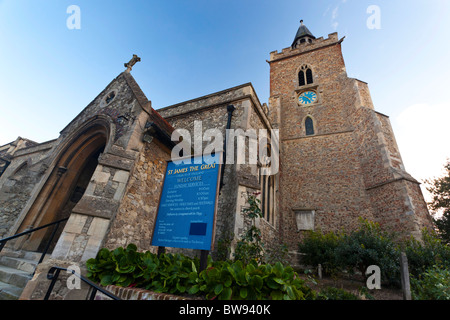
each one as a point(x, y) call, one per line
point(65, 186)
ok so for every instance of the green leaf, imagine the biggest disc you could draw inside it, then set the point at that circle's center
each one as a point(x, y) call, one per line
point(276, 295)
point(131, 247)
point(106, 280)
point(257, 282)
point(194, 289)
point(278, 269)
point(290, 292)
point(226, 294)
point(218, 288)
point(272, 284)
point(181, 288)
point(243, 293)
point(194, 268)
point(278, 280)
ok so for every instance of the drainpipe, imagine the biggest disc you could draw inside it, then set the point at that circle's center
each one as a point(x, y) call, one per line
point(230, 109)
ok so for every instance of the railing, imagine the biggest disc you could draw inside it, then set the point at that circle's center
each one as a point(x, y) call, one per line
point(47, 246)
point(53, 274)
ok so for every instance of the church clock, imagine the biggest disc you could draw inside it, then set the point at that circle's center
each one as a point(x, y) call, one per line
point(307, 97)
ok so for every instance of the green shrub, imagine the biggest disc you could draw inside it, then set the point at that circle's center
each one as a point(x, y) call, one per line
point(424, 254)
point(170, 273)
point(319, 248)
point(178, 274)
point(433, 284)
point(369, 245)
point(234, 280)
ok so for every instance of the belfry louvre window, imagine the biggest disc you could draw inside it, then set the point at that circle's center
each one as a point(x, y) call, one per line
point(305, 76)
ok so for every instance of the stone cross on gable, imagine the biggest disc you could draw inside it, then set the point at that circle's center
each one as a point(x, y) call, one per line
point(129, 65)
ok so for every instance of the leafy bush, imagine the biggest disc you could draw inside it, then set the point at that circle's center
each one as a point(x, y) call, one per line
point(424, 254)
point(170, 273)
point(238, 281)
point(368, 245)
point(178, 274)
point(433, 284)
point(319, 248)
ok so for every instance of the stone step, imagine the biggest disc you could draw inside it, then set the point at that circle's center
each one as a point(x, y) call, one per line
point(29, 255)
point(16, 269)
point(9, 291)
point(19, 263)
point(18, 278)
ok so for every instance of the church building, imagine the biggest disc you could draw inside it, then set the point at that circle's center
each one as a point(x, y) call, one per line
point(102, 177)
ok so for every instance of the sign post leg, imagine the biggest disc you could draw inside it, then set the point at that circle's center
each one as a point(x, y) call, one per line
point(203, 259)
point(161, 250)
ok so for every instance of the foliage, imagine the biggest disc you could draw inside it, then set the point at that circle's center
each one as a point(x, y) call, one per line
point(319, 248)
point(433, 284)
point(250, 247)
point(170, 273)
point(332, 293)
point(178, 274)
point(368, 245)
point(224, 246)
point(440, 189)
point(277, 253)
point(234, 280)
point(426, 253)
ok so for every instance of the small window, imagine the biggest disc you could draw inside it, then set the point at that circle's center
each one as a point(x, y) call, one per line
point(301, 78)
point(304, 219)
point(110, 97)
point(305, 76)
point(309, 77)
point(309, 126)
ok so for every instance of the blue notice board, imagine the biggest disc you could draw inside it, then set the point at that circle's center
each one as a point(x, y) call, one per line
point(187, 207)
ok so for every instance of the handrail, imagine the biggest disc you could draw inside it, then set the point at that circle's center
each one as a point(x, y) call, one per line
point(5, 240)
point(53, 274)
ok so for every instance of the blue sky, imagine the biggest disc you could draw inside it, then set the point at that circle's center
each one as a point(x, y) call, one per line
point(191, 48)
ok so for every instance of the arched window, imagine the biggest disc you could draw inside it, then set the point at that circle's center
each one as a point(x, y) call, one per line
point(309, 126)
point(309, 77)
point(301, 78)
point(305, 76)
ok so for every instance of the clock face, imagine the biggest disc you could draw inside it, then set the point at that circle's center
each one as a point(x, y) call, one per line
point(307, 97)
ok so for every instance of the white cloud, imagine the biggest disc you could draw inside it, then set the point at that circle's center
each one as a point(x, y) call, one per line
point(422, 135)
point(335, 13)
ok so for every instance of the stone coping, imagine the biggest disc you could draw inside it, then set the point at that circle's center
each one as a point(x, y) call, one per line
point(129, 293)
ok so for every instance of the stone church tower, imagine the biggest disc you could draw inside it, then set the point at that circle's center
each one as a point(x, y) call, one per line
point(338, 156)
